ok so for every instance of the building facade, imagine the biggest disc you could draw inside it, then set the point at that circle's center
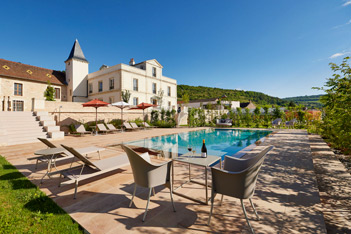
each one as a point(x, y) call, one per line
point(22, 86)
point(212, 103)
point(144, 81)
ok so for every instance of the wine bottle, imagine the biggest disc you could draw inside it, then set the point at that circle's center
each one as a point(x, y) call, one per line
point(203, 149)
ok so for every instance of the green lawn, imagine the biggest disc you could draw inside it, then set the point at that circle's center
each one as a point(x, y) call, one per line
point(25, 209)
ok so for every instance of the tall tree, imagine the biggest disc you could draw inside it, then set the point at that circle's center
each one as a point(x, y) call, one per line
point(336, 122)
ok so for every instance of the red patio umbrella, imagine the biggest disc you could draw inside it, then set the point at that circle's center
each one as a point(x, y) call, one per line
point(95, 103)
point(142, 106)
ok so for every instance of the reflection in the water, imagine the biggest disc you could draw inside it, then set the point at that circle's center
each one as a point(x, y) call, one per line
point(219, 142)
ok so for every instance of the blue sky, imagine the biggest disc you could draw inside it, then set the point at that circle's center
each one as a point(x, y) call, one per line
point(281, 48)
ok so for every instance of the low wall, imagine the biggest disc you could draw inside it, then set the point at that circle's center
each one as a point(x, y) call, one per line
point(66, 113)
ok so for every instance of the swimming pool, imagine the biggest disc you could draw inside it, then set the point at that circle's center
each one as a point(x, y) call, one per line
point(219, 142)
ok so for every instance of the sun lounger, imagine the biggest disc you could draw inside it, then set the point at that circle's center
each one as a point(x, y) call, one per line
point(102, 128)
point(64, 155)
point(89, 169)
point(224, 122)
point(112, 128)
point(128, 127)
point(134, 126)
point(81, 130)
point(276, 122)
point(146, 125)
point(290, 123)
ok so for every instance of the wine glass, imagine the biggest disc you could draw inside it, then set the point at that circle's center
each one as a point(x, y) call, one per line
point(190, 149)
point(194, 151)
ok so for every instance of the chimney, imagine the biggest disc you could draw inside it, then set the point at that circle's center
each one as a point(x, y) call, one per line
point(131, 62)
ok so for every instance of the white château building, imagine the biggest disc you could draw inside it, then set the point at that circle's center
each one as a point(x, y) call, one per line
point(143, 80)
point(22, 85)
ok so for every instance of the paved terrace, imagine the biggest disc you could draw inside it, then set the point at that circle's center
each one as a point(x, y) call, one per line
point(286, 197)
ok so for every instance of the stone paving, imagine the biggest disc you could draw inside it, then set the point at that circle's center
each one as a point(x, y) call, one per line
point(334, 186)
point(286, 198)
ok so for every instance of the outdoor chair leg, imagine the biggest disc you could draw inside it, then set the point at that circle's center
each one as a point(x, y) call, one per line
point(131, 201)
point(147, 204)
point(172, 199)
point(258, 218)
point(75, 190)
point(222, 199)
point(247, 219)
point(153, 191)
point(212, 201)
point(60, 179)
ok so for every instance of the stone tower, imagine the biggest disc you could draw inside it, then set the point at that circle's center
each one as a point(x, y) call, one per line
point(77, 70)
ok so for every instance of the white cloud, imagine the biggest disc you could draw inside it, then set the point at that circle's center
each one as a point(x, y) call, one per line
point(346, 3)
point(342, 25)
point(336, 55)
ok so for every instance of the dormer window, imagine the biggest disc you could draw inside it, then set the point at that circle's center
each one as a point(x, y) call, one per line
point(154, 71)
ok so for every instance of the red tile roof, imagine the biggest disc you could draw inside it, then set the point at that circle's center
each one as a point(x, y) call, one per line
point(28, 72)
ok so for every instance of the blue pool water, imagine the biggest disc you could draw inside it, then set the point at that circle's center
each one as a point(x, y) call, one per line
point(219, 142)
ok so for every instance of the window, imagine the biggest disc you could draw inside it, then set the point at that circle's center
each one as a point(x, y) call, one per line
point(70, 92)
point(112, 83)
point(135, 101)
point(18, 89)
point(169, 90)
point(154, 71)
point(57, 93)
point(169, 105)
point(153, 101)
point(154, 88)
point(135, 85)
point(18, 105)
point(90, 87)
point(100, 86)
point(111, 99)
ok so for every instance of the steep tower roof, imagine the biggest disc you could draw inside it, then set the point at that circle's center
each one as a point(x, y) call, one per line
point(76, 52)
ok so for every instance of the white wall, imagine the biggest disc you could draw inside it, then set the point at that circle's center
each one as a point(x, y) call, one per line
point(76, 77)
point(124, 75)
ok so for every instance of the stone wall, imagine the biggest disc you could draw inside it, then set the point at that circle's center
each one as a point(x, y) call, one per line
point(30, 90)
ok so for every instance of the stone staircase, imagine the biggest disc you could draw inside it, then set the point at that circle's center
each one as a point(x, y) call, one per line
point(26, 127)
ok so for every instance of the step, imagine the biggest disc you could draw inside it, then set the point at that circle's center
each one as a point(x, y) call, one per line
point(15, 113)
point(25, 134)
point(41, 113)
point(21, 129)
point(17, 119)
point(25, 141)
point(20, 125)
point(48, 123)
point(44, 117)
point(25, 138)
point(56, 135)
point(52, 128)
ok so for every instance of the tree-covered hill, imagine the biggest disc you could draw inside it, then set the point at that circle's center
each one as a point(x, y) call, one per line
point(312, 101)
point(201, 92)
